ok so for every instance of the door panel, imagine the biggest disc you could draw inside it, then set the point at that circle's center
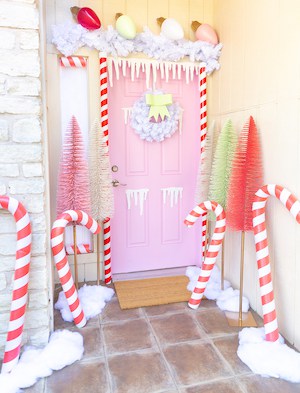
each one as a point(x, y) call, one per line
point(152, 235)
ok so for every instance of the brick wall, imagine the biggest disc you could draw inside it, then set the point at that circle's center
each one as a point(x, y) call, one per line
point(21, 162)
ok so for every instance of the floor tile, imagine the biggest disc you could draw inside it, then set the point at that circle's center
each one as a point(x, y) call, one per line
point(165, 309)
point(225, 386)
point(79, 378)
point(196, 362)
point(214, 322)
point(128, 336)
point(139, 373)
point(93, 346)
point(228, 348)
point(36, 388)
point(113, 312)
point(256, 383)
point(175, 328)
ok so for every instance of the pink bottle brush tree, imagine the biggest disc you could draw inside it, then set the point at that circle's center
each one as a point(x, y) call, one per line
point(73, 178)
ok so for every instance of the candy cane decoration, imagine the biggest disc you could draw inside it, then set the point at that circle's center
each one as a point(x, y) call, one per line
point(73, 61)
point(203, 132)
point(107, 254)
point(61, 260)
point(20, 285)
point(80, 249)
point(103, 95)
point(262, 251)
point(213, 249)
point(104, 127)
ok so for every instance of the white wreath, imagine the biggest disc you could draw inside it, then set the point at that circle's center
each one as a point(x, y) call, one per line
point(153, 131)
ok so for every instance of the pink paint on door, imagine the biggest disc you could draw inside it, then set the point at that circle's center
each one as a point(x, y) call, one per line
point(155, 237)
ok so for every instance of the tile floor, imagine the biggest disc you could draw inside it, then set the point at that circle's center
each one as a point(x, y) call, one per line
point(160, 349)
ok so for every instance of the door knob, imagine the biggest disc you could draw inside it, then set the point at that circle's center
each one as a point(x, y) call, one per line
point(116, 183)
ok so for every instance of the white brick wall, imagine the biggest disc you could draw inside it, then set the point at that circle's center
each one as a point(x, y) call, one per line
point(21, 163)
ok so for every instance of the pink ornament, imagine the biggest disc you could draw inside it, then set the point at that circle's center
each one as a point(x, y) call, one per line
point(204, 32)
point(86, 17)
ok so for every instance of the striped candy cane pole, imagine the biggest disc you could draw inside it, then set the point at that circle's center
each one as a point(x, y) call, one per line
point(20, 285)
point(103, 95)
point(107, 254)
point(104, 126)
point(203, 131)
point(61, 260)
point(213, 249)
point(73, 61)
point(262, 251)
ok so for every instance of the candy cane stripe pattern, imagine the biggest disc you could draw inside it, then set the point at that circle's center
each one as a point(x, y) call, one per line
point(213, 249)
point(80, 248)
point(103, 95)
point(73, 61)
point(61, 260)
point(203, 132)
point(107, 252)
point(262, 251)
point(20, 285)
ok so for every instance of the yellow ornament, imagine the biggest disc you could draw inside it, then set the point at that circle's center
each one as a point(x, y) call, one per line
point(125, 26)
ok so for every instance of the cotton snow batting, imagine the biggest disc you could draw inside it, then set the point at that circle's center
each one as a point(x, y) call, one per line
point(149, 130)
point(267, 358)
point(63, 349)
point(93, 299)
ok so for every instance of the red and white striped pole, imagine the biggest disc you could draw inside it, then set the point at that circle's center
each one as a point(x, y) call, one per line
point(262, 251)
point(73, 61)
point(203, 132)
point(104, 127)
point(213, 249)
point(20, 284)
point(61, 260)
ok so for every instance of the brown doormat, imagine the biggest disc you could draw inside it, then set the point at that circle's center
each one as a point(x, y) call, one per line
point(152, 291)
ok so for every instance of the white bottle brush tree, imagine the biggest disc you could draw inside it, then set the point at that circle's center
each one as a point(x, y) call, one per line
point(100, 181)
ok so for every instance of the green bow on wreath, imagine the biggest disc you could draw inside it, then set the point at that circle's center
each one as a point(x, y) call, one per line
point(158, 104)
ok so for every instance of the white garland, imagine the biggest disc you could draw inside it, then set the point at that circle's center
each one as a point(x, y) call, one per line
point(69, 37)
point(153, 131)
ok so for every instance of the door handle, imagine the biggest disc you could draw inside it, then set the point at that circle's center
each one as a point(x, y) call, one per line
point(116, 183)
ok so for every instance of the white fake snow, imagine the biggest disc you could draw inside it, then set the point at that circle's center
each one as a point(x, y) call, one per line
point(269, 359)
point(63, 349)
point(93, 299)
point(227, 300)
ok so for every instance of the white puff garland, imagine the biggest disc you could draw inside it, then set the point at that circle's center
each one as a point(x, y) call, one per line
point(69, 37)
point(153, 131)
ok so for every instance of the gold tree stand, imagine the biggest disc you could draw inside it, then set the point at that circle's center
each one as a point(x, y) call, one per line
point(75, 257)
point(98, 257)
point(241, 318)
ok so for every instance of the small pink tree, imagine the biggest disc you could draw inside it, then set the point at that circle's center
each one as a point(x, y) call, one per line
point(73, 178)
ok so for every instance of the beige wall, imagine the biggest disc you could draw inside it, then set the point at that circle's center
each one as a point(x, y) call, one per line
point(260, 75)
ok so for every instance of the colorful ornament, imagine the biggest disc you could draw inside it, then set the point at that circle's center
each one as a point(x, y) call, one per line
point(125, 26)
point(204, 32)
point(170, 28)
point(86, 17)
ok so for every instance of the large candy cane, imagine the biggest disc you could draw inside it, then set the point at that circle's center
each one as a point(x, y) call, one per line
point(213, 249)
point(20, 285)
point(61, 260)
point(262, 251)
point(203, 132)
point(73, 61)
point(104, 127)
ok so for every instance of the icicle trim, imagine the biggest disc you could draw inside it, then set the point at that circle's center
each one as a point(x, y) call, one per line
point(139, 196)
point(173, 193)
point(151, 68)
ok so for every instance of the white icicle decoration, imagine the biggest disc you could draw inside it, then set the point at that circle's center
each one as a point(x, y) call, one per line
point(151, 68)
point(127, 113)
point(139, 196)
point(173, 193)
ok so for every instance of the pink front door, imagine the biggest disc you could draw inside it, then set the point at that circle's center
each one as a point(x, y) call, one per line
point(147, 230)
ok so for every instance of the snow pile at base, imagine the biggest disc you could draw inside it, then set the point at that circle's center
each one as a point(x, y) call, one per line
point(227, 300)
point(93, 299)
point(269, 359)
point(63, 349)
